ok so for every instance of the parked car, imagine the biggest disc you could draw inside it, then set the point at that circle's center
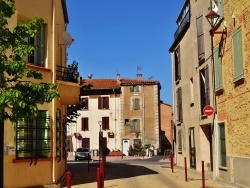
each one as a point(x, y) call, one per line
point(82, 153)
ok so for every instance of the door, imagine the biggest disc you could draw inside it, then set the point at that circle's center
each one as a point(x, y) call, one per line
point(192, 149)
point(125, 147)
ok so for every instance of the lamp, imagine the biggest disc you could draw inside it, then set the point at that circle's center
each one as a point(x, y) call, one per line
point(212, 18)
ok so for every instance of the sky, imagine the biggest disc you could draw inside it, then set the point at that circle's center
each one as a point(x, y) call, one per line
point(125, 37)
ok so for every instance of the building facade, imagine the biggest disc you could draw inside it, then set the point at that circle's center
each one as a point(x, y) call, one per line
point(34, 149)
point(167, 128)
point(125, 110)
point(193, 87)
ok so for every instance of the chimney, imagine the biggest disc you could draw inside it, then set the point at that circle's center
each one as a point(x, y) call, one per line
point(118, 78)
point(139, 76)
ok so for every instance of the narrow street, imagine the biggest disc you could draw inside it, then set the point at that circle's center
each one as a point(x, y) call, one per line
point(136, 173)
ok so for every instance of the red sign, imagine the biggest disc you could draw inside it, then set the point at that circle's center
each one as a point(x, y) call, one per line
point(208, 110)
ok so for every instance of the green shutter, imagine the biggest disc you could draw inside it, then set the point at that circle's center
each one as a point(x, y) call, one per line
point(218, 68)
point(220, 7)
point(238, 56)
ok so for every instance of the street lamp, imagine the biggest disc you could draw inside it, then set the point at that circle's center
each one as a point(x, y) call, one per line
point(212, 18)
point(100, 140)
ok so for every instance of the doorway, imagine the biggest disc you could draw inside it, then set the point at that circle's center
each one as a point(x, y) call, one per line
point(192, 149)
point(125, 147)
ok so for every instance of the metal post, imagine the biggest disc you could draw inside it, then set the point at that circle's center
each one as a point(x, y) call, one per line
point(203, 175)
point(102, 174)
point(172, 161)
point(185, 162)
point(68, 178)
point(88, 162)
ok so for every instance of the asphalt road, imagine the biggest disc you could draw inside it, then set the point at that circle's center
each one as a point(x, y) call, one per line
point(136, 173)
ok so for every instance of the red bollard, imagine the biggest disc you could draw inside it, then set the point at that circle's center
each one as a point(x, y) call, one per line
point(98, 176)
point(102, 173)
point(68, 179)
point(185, 162)
point(172, 161)
point(203, 174)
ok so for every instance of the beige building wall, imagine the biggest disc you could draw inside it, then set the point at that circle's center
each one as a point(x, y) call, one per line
point(27, 172)
point(194, 137)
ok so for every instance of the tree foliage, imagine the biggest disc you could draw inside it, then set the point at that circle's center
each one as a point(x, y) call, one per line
point(18, 97)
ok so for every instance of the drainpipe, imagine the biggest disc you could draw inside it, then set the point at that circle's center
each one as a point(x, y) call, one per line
point(143, 115)
point(115, 117)
point(53, 81)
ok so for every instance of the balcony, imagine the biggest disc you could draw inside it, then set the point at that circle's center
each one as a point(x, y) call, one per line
point(183, 25)
point(68, 81)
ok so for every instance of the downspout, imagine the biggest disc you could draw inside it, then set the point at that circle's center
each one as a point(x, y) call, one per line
point(115, 118)
point(53, 81)
point(143, 115)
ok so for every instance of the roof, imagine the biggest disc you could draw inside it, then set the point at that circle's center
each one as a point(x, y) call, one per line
point(102, 83)
point(65, 12)
point(127, 81)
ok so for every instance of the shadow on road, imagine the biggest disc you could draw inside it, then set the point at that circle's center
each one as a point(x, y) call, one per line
point(80, 174)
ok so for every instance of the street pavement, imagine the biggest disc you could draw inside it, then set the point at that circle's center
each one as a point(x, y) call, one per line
point(137, 172)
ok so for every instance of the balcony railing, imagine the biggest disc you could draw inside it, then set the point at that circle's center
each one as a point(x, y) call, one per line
point(185, 21)
point(67, 74)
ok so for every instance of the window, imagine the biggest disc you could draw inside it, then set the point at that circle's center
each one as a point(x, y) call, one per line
point(200, 37)
point(105, 123)
point(136, 104)
point(85, 142)
point(32, 136)
point(238, 55)
point(134, 88)
point(126, 121)
point(85, 103)
point(222, 145)
point(218, 68)
point(177, 61)
point(191, 83)
point(103, 102)
point(135, 125)
point(37, 56)
point(179, 141)
point(204, 88)
point(179, 104)
point(85, 124)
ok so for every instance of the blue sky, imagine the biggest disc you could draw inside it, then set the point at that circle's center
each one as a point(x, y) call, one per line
point(117, 36)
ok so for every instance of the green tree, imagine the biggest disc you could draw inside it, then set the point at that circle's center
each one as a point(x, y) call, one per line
point(18, 97)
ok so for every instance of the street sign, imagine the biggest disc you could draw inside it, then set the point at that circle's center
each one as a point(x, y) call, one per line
point(208, 110)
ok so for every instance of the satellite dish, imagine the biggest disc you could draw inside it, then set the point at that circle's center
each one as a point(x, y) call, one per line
point(67, 39)
point(90, 76)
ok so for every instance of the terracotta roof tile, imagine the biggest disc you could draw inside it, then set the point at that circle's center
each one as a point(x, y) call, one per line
point(102, 83)
point(136, 81)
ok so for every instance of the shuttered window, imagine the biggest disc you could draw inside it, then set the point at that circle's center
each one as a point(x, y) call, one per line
point(85, 103)
point(200, 37)
point(135, 125)
point(134, 88)
point(218, 68)
point(103, 102)
point(105, 123)
point(204, 88)
point(85, 124)
point(179, 141)
point(238, 55)
point(136, 104)
point(179, 104)
point(177, 60)
point(222, 145)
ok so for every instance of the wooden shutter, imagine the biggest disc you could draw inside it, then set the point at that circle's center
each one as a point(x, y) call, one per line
point(39, 52)
point(200, 37)
point(238, 56)
point(177, 64)
point(218, 68)
point(137, 125)
point(137, 104)
point(107, 102)
point(85, 124)
point(179, 104)
point(220, 7)
point(207, 85)
point(99, 102)
point(105, 123)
